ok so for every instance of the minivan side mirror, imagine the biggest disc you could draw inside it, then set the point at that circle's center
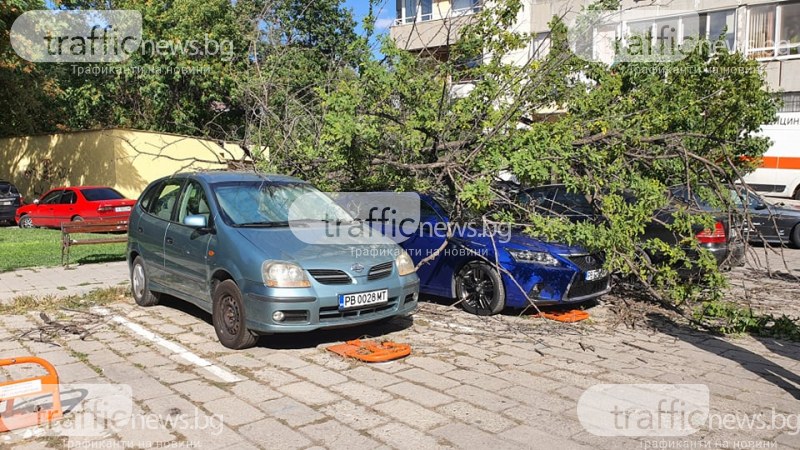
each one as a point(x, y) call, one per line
point(761, 206)
point(196, 221)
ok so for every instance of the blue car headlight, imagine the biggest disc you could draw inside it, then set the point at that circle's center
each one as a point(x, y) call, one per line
point(527, 256)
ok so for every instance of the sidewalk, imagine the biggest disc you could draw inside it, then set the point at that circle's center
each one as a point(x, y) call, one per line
point(76, 280)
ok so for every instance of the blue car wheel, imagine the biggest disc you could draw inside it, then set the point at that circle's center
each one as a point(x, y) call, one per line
point(480, 290)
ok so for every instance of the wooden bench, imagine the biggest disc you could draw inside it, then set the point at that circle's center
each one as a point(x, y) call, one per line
point(93, 226)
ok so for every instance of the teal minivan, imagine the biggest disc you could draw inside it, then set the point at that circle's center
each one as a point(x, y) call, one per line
point(228, 242)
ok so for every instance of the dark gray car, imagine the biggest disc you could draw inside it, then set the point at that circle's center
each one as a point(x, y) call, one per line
point(775, 223)
point(10, 200)
point(556, 200)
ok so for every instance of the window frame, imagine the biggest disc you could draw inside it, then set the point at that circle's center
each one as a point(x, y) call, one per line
point(181, 183)
point(56, 193)
point(778, 40)
point(183, 200)
point(680, 31)
point(420, 13)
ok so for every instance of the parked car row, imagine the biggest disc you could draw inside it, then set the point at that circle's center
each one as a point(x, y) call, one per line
point(228, 243)
point(225, 242)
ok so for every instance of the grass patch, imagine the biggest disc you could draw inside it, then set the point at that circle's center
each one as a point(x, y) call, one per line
point(38, 247)
point(27, 303)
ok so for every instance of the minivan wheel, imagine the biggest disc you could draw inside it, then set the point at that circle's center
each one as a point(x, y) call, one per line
point(229, 317)
point(140, 287)
point(480, 290)
point(25, 222)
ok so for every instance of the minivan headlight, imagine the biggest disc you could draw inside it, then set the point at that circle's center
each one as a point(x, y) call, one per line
point(283, 274)
point(405, 265)
point(525, 256)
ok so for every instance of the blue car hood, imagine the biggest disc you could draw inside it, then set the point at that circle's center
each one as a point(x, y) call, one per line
point(521, 240)
point(283, 244)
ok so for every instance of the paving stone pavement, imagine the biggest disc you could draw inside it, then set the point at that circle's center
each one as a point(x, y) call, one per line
point(500, 382)
point(471, 382)
point(60, 281)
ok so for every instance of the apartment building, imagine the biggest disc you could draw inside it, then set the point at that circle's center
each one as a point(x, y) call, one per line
point(766, 30)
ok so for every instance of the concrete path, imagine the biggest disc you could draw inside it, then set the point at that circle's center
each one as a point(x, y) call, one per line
point(58, 281)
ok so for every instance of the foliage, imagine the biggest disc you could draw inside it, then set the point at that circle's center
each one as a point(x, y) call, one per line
point(27, 91)
point(190, 90)
point(302, 50)
point(731, 318)
point(612, 133)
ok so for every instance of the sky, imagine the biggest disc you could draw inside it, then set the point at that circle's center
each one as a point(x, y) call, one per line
point(385, 12)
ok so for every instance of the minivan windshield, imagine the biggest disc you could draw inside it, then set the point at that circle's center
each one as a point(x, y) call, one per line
point(270, 204)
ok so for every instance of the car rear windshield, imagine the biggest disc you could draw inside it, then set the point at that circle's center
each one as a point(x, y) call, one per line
point(8, 189)
point(99, 194)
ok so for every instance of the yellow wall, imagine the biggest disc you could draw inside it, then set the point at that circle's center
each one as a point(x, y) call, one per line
point(123, 159)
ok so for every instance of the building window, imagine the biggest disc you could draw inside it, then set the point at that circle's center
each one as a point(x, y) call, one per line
point(774, 30)
point(466, 6)
point(540, 46)
point(410, 11)
point(686, 31)
point(791, 102)
point(719, 24)
point(660, 34)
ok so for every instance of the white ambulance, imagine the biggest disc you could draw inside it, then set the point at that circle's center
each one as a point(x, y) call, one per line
point(779, 174)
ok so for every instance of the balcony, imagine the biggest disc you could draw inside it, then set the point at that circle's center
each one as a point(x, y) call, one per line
point(437, 28)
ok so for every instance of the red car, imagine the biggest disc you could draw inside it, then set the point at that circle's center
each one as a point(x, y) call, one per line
point(77, 203)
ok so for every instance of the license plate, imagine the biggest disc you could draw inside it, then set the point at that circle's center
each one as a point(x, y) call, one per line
point(595, 274)
point(5, 203)
point(122, 209)
point(362, 299)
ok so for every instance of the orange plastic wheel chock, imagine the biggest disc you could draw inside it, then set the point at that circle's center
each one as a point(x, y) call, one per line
point(574, 315)
point(26, 388)
point(371, 351)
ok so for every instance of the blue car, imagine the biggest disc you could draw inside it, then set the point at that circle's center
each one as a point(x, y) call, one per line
point(239, 246)
point(529, 269)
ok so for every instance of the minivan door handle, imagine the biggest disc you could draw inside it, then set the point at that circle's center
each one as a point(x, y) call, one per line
point(140, 229)
point(170, 241)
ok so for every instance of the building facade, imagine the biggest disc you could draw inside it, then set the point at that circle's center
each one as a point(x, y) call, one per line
point(768, 31)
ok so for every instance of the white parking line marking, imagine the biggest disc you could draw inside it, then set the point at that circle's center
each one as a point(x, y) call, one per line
point(178, 349)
